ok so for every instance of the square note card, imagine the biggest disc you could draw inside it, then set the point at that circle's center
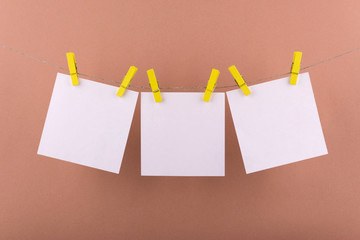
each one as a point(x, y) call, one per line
point(277, 123)
point(183, 135)
point(87, 124)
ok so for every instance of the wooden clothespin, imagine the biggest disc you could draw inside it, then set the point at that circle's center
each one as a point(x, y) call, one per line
point(126, 81)
point(154, 85)
point(72, 68)
point(239, 80)
point(211, 84)
point(295, 67)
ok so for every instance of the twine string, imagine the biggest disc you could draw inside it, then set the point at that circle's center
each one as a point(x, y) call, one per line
point(176, 87)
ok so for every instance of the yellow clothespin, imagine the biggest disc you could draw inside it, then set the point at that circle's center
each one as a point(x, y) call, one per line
point(295, 67)
point(239, 80)
point(126, 81)
point(72, 68)
point(211, 84)
point(154, 85)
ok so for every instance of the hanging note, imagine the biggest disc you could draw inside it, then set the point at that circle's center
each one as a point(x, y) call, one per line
point(87, 125)
point(183, 136)
point(277, 124)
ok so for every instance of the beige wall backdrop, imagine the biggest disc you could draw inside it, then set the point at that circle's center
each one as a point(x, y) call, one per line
point(44, 198)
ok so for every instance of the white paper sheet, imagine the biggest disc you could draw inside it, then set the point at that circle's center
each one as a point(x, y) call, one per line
point(277, 123)
point(87, 124)
point(183, 135)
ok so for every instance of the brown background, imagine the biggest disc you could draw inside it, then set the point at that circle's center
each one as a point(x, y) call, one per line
point(44, 198)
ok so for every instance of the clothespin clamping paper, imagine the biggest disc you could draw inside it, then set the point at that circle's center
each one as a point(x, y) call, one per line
point(239, 80)
point(72, 68)
point(295, 67)
point(126, 81)
point(154, 85)
point(211, 84)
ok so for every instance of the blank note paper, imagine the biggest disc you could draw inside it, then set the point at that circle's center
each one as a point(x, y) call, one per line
point(183, 135)
point(87, 124)
point(277, 123)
